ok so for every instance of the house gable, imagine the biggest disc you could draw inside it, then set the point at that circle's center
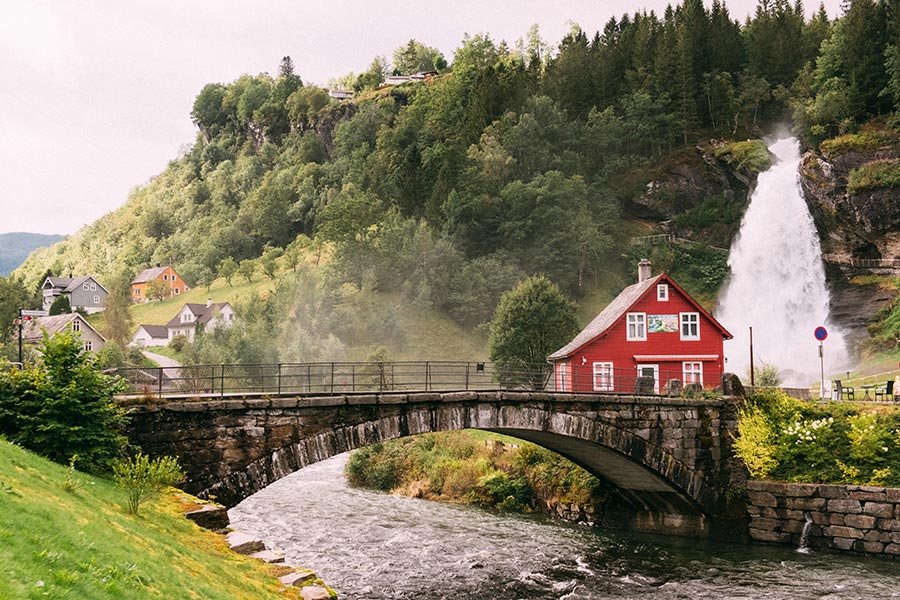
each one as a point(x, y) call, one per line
point(653, 329)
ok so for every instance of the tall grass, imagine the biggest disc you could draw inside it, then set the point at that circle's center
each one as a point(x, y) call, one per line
point(82, 544)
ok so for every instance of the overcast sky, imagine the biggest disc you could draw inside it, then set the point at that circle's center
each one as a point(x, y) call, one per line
point(95, 97)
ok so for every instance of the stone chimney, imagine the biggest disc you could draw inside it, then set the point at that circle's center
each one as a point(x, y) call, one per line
point(208, 302)
point(644, 270)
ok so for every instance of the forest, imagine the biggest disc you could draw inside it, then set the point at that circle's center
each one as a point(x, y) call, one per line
point(513, 160)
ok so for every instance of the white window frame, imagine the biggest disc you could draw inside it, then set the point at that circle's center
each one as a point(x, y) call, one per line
point(692, 372)
point(662, 292)
point(604, 377)
point(562, 377)
point(655, 369)
point(93, 287)
point(88, 345)
point(137, 291)
point(76, 325)
point(636, 327)
point(165, 277)
point(688, 321)
point(86, 286)
point(96, 299)
point(177, 291)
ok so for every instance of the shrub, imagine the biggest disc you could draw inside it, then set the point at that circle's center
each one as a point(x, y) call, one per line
point(178, 343)
point(878, 174)
point(754, 444)
point(144, 479)
point(64, 405)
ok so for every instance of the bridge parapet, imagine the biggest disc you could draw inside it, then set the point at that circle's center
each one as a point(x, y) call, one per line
point(669, 457)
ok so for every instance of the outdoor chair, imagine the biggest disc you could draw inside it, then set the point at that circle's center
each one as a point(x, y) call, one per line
point(841, 392)
point(886, 392)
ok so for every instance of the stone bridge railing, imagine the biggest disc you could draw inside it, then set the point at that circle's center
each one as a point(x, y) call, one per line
point(669, 457)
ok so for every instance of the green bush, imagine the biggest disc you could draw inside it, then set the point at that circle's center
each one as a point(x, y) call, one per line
point(144, 479)
point(789, 440)
point(751, 155)
point(878, 174)
point(64, 405)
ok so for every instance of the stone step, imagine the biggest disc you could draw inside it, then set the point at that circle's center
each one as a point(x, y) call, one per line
point(269, 556)
point(243, 543)
point(210, 516)
point(314, 592)
point(298, 578)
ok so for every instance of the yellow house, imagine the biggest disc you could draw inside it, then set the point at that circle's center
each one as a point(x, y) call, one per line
point(157, 283)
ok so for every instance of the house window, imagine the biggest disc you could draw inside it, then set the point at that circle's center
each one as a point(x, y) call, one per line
point(637, 327)
point(88, 345)
point(93, 287)
point(690, 326)
point(173, 279)
point(563, 377)
point(137, 291)
point(165, 277)
point(85, 286)
point(76, 325)
point(177, 291)
point(662, 292)
point(692, 372)
point(603, 377)
point(96, 299)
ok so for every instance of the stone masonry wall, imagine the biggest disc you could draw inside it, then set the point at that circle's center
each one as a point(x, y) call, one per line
point(849, 518)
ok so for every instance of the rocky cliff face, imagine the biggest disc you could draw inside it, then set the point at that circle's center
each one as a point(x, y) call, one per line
point(864, 225)
point(697, 192)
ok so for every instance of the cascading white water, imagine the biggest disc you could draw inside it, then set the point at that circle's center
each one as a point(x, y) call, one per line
point(777, 283)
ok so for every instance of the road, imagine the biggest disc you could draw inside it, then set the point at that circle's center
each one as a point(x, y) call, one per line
point(163, 361)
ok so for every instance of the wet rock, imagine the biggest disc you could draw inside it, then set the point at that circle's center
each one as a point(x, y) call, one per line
point(243, 543)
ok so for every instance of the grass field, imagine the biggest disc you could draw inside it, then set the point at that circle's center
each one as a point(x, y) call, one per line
point(83, 545)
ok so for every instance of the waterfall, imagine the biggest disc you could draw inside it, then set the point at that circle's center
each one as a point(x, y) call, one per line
point(777, 283)
point(803, 546)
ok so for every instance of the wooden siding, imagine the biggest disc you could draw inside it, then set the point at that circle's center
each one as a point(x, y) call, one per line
point(665, 349)
point(168, 276)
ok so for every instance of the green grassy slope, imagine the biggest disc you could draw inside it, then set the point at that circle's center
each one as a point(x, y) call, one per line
point(83, 545)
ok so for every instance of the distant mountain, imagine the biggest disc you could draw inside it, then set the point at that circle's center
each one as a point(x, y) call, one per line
point(15, 248)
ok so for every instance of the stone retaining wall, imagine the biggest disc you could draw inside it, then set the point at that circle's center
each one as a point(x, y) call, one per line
point(849, 518)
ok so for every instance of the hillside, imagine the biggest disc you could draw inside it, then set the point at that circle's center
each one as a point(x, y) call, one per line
point(15, 248)
point(443, 193)
point(83, 544)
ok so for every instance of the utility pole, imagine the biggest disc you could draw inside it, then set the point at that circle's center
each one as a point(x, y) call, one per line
point(19, 321)
point(752, 370)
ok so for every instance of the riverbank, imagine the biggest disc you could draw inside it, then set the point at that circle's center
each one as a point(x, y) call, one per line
point(483, 469)
point(67, 534)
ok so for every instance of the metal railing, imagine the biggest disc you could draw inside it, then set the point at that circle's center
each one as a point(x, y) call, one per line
point(864, 263)
point(669, 238)
point(205, 381)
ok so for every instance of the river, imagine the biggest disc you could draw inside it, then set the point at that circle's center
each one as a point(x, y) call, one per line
point(369, 545)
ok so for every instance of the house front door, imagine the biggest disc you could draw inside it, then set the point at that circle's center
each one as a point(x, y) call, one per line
point(650, 371)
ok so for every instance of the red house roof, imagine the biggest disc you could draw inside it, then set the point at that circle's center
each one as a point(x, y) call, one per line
point(616, 310)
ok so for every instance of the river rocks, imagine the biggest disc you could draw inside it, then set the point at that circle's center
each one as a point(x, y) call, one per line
point(314, 592)
point(209, 516)
point(243, 543)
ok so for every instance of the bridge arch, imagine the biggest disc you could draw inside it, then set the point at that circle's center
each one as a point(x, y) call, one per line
point(663, 493)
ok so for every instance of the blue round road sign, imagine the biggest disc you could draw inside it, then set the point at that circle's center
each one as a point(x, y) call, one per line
point(821, 333)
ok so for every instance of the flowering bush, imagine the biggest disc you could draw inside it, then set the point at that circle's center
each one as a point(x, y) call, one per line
point(790, 440)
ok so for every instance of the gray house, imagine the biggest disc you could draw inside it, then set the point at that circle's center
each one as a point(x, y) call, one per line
point(84, 292)
point(33, 331)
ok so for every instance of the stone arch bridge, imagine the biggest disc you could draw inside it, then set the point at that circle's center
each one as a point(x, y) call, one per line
point(669, 458)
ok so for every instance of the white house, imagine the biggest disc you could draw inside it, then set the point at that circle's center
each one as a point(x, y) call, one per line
point(210, 315)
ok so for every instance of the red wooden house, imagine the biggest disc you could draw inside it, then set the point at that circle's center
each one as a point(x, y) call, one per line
point(652, 329)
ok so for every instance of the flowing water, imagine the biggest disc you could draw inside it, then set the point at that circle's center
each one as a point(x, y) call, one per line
point(377, 546)
point(777, 283)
